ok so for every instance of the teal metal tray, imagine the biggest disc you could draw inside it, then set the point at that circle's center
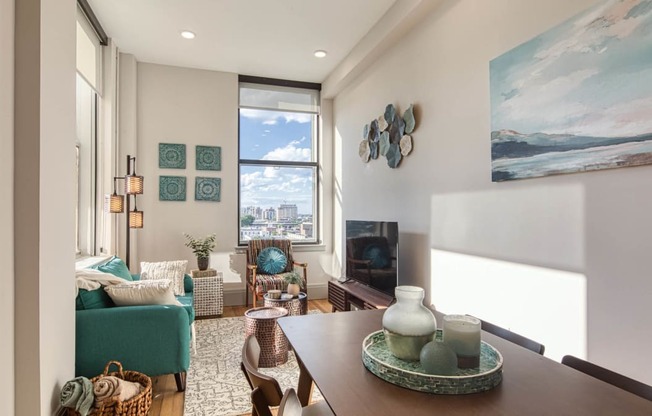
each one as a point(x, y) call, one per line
point(379, 360)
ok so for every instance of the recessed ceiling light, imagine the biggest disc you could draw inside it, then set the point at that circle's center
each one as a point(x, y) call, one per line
point(187, 34)
point(320, 53)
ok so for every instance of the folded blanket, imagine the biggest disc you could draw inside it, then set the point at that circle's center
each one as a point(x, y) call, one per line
point(91, 279)
point(111, 387)
point(78, 394)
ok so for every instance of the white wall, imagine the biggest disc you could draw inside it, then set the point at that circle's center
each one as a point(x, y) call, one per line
point(6, 209)
point(44, 241)
point(442, 66)
point(198, 107)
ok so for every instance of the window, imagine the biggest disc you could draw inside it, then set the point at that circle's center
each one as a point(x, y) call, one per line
point(88, 76)
point(278, 160)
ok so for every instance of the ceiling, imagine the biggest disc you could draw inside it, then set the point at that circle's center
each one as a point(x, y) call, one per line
point(269, 38)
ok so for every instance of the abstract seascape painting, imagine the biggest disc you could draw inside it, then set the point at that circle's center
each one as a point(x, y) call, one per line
point(577, 97)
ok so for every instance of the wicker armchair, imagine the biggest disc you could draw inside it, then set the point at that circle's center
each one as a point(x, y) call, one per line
point(257, 283)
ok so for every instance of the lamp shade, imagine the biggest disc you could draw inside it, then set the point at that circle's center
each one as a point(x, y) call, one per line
point(136, 219)
point(133, 184)
point(114, 203)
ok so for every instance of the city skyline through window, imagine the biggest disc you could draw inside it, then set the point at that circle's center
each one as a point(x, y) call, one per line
point(278, 162)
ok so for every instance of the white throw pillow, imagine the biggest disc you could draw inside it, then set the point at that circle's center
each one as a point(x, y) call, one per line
point(171, 270)
point(148, 292)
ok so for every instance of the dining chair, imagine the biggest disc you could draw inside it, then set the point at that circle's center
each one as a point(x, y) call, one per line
point(608, 376)
point(269, 391)
point(266, 391)
point(290, 405)
point(513, 337)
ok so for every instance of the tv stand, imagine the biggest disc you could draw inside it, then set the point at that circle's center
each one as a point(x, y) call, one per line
point(351, 295)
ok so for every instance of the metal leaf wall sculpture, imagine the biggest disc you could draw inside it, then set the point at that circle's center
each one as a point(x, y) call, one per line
point(388, 136)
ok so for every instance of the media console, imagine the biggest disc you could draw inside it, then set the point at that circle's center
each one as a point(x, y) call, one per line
point(352, 295)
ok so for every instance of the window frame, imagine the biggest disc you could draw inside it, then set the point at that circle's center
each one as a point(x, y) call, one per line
point(89, 208)
point(314, 164)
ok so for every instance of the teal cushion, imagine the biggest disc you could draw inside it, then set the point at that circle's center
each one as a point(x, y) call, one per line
point(188, 284)
point(116, 267)
point(271, 260)
point(93, 299)
point(379, 256)
point(186, 301)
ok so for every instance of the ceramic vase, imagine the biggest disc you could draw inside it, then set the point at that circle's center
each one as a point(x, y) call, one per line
point(293, 289)
point(407, 324)
point(202, 263)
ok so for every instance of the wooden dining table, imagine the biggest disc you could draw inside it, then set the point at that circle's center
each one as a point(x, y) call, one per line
point(328, 348)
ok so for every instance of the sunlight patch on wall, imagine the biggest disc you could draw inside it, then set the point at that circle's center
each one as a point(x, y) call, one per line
point(544, 304)
point(224, 262)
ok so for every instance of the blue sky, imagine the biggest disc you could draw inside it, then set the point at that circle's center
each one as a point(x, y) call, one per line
point(273, 135)
point(590, 75)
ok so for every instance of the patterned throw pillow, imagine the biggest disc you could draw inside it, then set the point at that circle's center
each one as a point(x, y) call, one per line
point(148, 292)
point(171, 270)
point(271, 260)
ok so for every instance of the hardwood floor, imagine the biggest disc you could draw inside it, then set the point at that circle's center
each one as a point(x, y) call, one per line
point(166, 401)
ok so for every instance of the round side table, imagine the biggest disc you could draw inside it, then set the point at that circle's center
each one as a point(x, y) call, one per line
point(295, 306)
point(261, 322)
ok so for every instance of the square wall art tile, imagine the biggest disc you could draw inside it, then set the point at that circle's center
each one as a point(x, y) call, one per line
point(207, 189)
point(208, 158)
point(171, 156)
point(172, 188)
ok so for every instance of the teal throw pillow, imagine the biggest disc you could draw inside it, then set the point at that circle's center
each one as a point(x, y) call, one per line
point(116, 267)
point(271, 260)
point(93, 299)
point(379, 256)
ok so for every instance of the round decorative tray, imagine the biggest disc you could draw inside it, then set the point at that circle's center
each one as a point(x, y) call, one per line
point(380, 361)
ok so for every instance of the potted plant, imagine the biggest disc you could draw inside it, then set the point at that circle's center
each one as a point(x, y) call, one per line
point(295, 283)
point(201, 248)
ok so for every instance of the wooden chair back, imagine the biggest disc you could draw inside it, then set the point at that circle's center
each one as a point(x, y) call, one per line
point(268, 386)
point(513, 337)
point(608, 376)
point(290, 404)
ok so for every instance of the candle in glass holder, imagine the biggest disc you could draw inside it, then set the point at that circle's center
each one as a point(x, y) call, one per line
point(462, 334)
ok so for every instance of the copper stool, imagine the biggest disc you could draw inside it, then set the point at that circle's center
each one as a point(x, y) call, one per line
point(261, 322)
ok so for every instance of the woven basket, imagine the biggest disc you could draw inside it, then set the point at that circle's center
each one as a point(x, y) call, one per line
point(137, 406)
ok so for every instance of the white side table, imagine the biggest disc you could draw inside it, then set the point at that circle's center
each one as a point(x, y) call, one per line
point(208, 293)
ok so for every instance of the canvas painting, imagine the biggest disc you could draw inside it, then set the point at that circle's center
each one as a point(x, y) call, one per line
point(577, 97)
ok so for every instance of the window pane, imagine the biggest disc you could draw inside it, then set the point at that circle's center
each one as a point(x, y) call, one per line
point(276, 135)
point(279, 98)
point(277, 202)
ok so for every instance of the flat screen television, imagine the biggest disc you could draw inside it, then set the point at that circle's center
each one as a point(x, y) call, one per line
point(372, 254)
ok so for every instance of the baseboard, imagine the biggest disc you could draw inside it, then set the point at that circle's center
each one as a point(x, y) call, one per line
point(236, 297)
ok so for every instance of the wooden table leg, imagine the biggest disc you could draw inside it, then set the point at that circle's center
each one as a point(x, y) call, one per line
point(304, 389)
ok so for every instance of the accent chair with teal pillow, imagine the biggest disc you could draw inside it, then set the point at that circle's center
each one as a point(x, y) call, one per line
point(151, 339)
point(269, 260)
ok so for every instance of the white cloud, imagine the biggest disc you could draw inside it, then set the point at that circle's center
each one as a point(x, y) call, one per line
point(290, 152)
point(272, 186)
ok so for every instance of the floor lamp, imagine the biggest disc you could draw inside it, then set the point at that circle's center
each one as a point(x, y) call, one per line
point(115, 203)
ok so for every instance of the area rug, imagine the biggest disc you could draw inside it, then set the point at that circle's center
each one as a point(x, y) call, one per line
point(215, 383)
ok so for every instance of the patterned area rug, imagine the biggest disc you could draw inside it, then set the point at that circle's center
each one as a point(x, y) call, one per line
point(215, 383)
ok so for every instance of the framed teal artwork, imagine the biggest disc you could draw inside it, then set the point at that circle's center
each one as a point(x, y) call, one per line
point(208, 158)
point(171, 156)
point(207, 189)
point(577, 97)
point(172, 188)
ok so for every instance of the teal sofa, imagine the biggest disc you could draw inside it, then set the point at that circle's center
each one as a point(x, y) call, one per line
point(151, 339)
